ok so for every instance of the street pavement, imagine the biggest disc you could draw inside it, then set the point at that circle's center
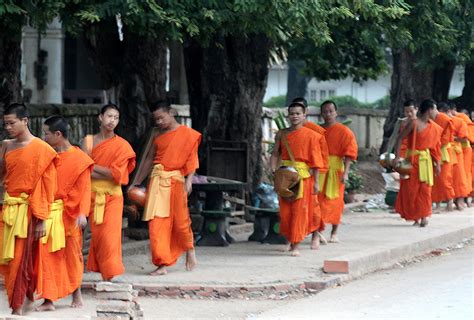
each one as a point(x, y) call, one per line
point(265, 275)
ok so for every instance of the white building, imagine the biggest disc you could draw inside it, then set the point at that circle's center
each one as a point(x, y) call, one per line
point(367, 91)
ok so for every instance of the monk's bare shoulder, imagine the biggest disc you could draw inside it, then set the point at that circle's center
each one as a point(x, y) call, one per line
point(6, 145)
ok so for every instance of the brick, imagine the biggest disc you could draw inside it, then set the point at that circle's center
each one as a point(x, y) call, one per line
point(281, 287)
point(116, 306)
point(336, 266)
point(170, 293)
point(190, 288)
point(109, 286)
point(205, 294)
point(115, 295)
point(112, 315)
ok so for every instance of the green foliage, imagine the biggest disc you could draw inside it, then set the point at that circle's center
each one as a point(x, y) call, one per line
point(276, 102)
point(355, 181)
point(351, 102)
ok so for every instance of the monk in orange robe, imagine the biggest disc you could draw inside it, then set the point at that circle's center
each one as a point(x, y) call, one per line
point(29, 184)
point(462, 186)
point(171, 164)
point(414, 198)
point(305, 145)
point(467, 149)
point(315, 221)
point(443, 184)
point(114, 160)
point(63, 267)
point(410, 109)
point(342, 146)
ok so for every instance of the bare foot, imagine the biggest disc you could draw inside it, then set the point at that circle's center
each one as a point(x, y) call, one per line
point(160, 271)
point(450, 206)
point(315, 242)
point(468, 202)
point(334, 239)
point(322, 239)
point(191, 260)
point(424, 222)
point(416, 223)
point(77, 299)
point(17, 312)
point(295, 252)
point(46, 306)
point(459, 204)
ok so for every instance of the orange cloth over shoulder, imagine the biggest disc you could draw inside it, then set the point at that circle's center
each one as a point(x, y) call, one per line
point(341, 143)
point(29, 170)
point(414, 198)
point(442, 189)
point(461, 184)
point(298, 217)
point(63, 269)
point(105, 254)
point(171, 236)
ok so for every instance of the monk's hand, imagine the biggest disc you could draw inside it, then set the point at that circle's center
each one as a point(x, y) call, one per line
point(40, 230)
point(437, 169)
point(316, 188)
point(344, 177)
point(189, 186)
point(81, 222)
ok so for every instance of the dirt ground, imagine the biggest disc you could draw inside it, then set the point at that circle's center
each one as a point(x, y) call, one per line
point(371, 172)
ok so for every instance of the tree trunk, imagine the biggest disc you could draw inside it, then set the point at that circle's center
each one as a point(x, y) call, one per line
point(10, 62)
point(135, 68)
point(227, 82)
point(442, 77)
point(297, 82)
point(466, 100)
point(408, 82)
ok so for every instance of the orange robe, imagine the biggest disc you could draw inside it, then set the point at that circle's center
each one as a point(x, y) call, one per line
point(341, 143)
point(171, 236)
point(315, 221)
point(105, 254)
point(460, 183)
point(63, 269)
point(295, 216)
point(466, 148)
point(29, 170)
point(442, 189)
point(414, 198)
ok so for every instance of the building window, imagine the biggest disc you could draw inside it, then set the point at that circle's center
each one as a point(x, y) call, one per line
point(312, 95)
point(322, 94)
point(332, 93)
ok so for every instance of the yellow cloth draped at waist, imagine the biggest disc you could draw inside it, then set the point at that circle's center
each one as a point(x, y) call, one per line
point(336, 165)
point(55, 227)
point(101, 188)
point(303, 171)
point(159, 192)
point(425, 165)
point(465, 144)
point(457, 147)
point(15, 224)
point(445, 157)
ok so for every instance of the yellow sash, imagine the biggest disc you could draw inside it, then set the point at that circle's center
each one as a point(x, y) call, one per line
point(159, 192)
point(336, 165)
point(55, 227)
point(425, 165)
point(465, 144)
point(15, 219)
point(445, 153)
point(101, 189)
point(303, 172)
point(457, 147)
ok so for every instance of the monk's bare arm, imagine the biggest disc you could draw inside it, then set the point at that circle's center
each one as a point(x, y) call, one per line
point(347, 167)
point(315, 174)
point(275, 157)
point(100, 172)
point(188, 183)
point(404, 133)
point(147, 165)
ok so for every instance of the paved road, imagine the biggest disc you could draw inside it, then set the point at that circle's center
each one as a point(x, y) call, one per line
point(437, 288)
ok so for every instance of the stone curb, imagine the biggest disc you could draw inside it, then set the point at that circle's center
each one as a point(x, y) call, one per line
point(358, 264)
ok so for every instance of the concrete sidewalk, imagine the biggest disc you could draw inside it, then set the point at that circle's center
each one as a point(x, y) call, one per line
point(369, 241)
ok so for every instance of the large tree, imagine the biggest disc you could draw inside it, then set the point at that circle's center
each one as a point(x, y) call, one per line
point(426, 46)
point(14, 15)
